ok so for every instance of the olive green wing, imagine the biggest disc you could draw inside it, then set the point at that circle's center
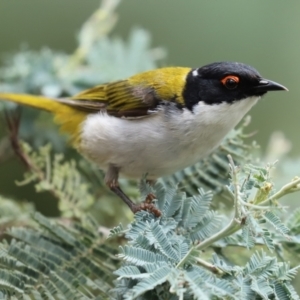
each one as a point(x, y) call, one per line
point(120, 99)
point(138, 96)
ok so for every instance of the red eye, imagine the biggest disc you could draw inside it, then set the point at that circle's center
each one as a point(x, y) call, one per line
point(230, 82)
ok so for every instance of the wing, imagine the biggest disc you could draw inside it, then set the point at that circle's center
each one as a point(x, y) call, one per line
point(138, 96)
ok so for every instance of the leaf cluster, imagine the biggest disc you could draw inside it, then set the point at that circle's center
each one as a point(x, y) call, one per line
point(53, 260)
point(164, 257)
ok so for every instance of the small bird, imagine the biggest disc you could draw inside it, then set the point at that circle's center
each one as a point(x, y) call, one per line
point(156, 122)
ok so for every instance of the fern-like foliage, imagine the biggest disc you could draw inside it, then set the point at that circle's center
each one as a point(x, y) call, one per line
point(54, 260)
point(263, 276)
point(70, 258)
point(164, 255)
point(156, 246)
point(76, 186)
point(59, 177)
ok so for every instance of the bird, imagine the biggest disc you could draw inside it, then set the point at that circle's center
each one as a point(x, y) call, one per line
point(156, 122)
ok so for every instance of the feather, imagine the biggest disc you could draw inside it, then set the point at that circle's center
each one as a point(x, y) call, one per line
point(137, 96)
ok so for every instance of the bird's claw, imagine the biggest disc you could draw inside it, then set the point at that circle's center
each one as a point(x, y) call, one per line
point(147, 205)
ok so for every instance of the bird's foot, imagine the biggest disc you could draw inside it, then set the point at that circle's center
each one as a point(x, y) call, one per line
point(147, 205)
point(149, 199)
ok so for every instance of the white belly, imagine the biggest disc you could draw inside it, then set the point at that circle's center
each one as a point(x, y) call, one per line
point(161, 144)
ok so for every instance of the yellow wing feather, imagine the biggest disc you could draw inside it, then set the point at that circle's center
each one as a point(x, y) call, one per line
point(67, 116)
point(135, 97)
point(140, 92)
point(167, 82)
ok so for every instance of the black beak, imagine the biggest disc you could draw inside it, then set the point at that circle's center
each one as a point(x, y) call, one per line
point(265, 85)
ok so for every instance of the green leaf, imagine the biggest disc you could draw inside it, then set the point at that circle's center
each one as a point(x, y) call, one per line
point(274, 220)
point(130, 272)
point(160, 241)
point(260, 265)
point(116, 231)
point(139, 256)
point(209, 224)
point(244, 288)
point(196, 282)
point(261, 287)
point(156, 278)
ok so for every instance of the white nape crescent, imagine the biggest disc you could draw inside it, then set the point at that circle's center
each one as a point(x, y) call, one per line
point(195, 72)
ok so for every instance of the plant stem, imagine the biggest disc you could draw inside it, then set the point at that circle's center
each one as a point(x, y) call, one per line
point(209, 266)
point(291, 187)
point(234, 225)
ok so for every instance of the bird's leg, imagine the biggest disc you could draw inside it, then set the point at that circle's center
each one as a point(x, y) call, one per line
point(111, 180)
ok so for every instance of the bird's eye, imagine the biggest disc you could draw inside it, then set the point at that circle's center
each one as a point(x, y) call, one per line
point(230, 82)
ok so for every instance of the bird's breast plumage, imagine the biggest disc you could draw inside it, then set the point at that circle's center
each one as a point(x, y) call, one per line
point(162, 143)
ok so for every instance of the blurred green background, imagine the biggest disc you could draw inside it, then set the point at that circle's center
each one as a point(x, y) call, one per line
point(264, 34)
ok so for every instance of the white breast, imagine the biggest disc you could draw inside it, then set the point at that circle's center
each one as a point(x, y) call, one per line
point(162, 143)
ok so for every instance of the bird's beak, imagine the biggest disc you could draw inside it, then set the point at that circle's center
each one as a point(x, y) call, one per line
point(265, 85)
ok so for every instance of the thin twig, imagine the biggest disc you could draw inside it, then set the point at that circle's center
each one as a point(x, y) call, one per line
point(235, 184)
point(287, 189)
point(209, 266)
point(13, 124)
point(259, 207)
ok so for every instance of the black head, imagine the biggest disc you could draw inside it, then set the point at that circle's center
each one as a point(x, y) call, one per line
point(225, 82)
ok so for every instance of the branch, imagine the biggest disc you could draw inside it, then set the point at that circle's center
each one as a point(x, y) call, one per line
point(209, 266)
